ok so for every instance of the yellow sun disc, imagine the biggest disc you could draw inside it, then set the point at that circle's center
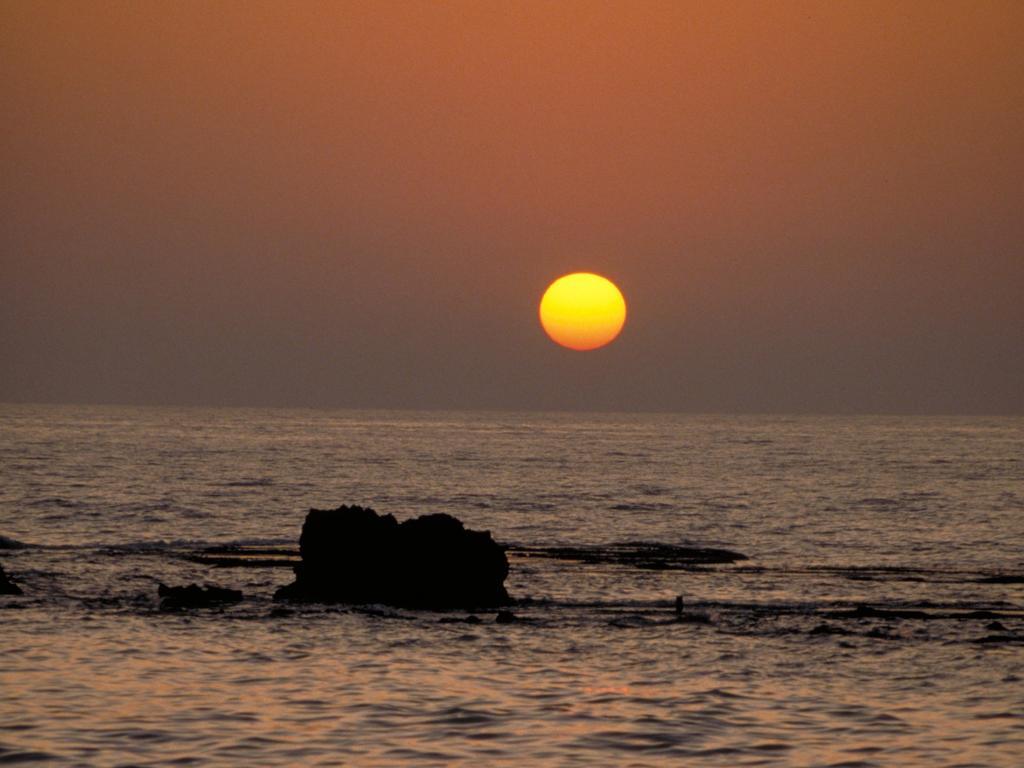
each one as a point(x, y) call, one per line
point(582, 311)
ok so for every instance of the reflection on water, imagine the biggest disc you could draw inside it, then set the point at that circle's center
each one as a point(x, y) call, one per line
point(907, 516)
point(344, 687)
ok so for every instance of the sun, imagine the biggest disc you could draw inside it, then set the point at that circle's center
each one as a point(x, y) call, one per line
point(582, 311)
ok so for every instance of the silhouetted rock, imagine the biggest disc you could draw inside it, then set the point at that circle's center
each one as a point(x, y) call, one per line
point(979, 615)
point(194, 596)
point(639, 554)
point(353, 555)
point(471, 619)
point(505, 617)
point(999, 639)
point(870, 612)
point(828, 629)
point(691, 618)
point(6, 542)
point(8, 587)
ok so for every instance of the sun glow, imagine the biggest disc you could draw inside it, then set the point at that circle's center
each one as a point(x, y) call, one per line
point(582, 311)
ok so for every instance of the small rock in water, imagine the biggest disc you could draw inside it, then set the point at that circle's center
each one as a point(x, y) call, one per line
point(8, 587)
point(505, 617)
point(471, 619)
point(194, 596)
point(828, 629)
point(692, 618)
point(995, 626)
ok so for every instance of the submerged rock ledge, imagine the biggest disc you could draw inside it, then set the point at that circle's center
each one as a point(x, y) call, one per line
point(353, 555)
point(194, 596)
point(639, 554)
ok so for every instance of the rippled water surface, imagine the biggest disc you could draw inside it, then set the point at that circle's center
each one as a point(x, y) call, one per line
point(879, 619)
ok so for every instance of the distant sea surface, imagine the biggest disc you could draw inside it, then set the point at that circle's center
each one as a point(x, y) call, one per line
point(878, 619)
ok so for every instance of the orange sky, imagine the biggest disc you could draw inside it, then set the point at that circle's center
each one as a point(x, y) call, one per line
point(809, 206)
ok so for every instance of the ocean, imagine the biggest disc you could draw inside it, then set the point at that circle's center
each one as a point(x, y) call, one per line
point(878, 619)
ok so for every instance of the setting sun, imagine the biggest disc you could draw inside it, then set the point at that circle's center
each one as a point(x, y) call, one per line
point(582, 311)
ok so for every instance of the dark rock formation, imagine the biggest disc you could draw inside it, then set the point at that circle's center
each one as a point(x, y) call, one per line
point(8, 543)
point(471, 619)
point(194, 596)
point(870, 612)
point(1003, 578)
point(353, 555)
point(505, 617)
point(639, 554)
point(8, 587)
point(692, 618)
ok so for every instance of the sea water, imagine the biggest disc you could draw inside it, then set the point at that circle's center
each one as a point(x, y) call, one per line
point(878, 619)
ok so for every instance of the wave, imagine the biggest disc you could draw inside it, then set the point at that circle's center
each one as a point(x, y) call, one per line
point(159, 545)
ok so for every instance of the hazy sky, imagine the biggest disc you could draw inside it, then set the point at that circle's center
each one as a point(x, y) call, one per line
point(808, 206)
